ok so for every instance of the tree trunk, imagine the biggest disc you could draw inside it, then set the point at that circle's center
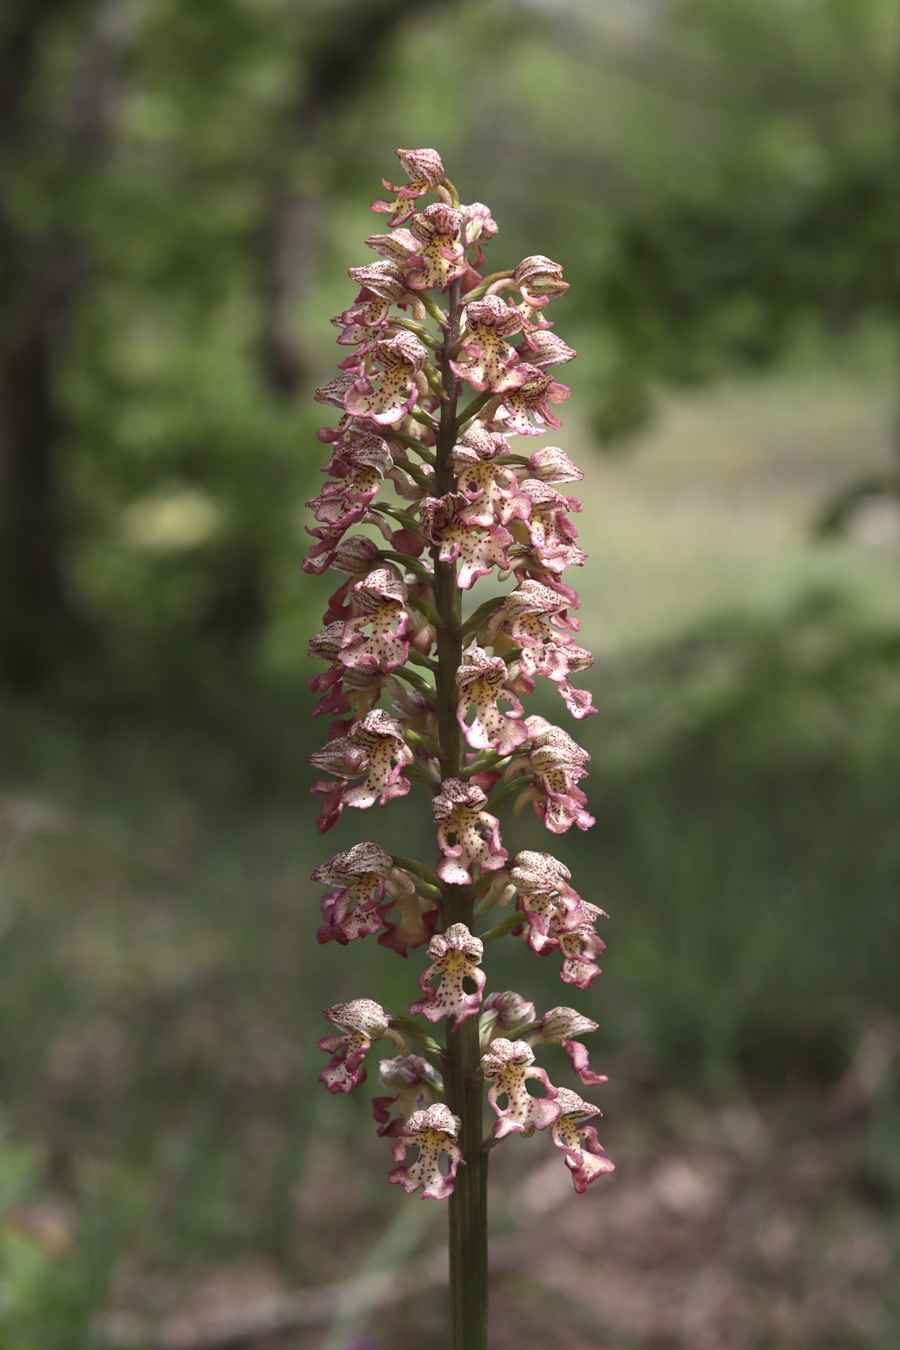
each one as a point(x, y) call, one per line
point(43, 277)
point(36, 613)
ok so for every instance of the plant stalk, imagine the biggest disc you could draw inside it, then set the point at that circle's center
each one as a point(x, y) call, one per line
point(468, 1203)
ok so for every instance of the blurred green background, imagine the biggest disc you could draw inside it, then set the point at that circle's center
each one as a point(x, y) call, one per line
point(184, 186)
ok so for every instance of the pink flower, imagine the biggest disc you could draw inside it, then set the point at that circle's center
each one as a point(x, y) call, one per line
point(398, 245)
point(441, 254)
point(482, 682)
point(502, 1013)
point(578, 701)
point(435, 1132)
point(410, 1081)
point(476, 833)
point(445, 523)
point(383, 284)
point(342, 690)
point(580, 946)
point(358, 451)
point(415, 925)
point(541, 884)
point(489, 360)
point(364, 464)
point(557, 918)
point(579, 1142)
point(364, 874)
point(539, 280)
point(402, 357)
point(361, 1022)
point(561, 1026)
point(374, 746)
point(426, 173)
point(456, 957)
point(379, 602)
point(551, 532)
point(384, 278)
point(324, 554)
point(525, 410)
point(491, 489)
point(335, 391)
point(535, 617)
point(479, 226)
point(555, 764)
point(507, 1065)
point(553, 465)
point(543, 348)
point(354, 556)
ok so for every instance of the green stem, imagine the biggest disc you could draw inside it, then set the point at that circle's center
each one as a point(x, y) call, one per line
point(501, 929)
point(476, 405)
point(421, 604)
point(468, 1203)
point(414, 472)
point(421, 450)
point(412, 564)
point(418, 659)
point(415, 680)
point(508, 790)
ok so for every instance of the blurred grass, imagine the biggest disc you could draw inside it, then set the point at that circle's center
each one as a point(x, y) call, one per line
point(714, 506)
point(159, 978)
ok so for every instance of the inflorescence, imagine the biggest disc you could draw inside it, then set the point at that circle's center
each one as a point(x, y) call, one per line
point(428, 396)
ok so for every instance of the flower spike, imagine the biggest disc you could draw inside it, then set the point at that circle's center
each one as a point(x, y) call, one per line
point(443, 370)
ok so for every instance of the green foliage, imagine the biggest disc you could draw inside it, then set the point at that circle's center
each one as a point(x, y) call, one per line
point(54, 1261)
point(716, 178)
point(750, 789)
point(771, 213)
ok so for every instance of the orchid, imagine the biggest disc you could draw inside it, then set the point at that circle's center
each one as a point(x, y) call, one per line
point(410, 1081)
point(364, 875)
point(507, 1065)
point(554, 764)
point(489, 360)
point(402, 358)
point(435, 1131)
point(579, 1142)
point(448, 525)
point(475, 833)
point(427, 492)
point(360, 1022)
point(441, 255)
point(504, 1012)
point(482, 681)
point(376, 747)
point(561, 1025)
point(456, 957)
